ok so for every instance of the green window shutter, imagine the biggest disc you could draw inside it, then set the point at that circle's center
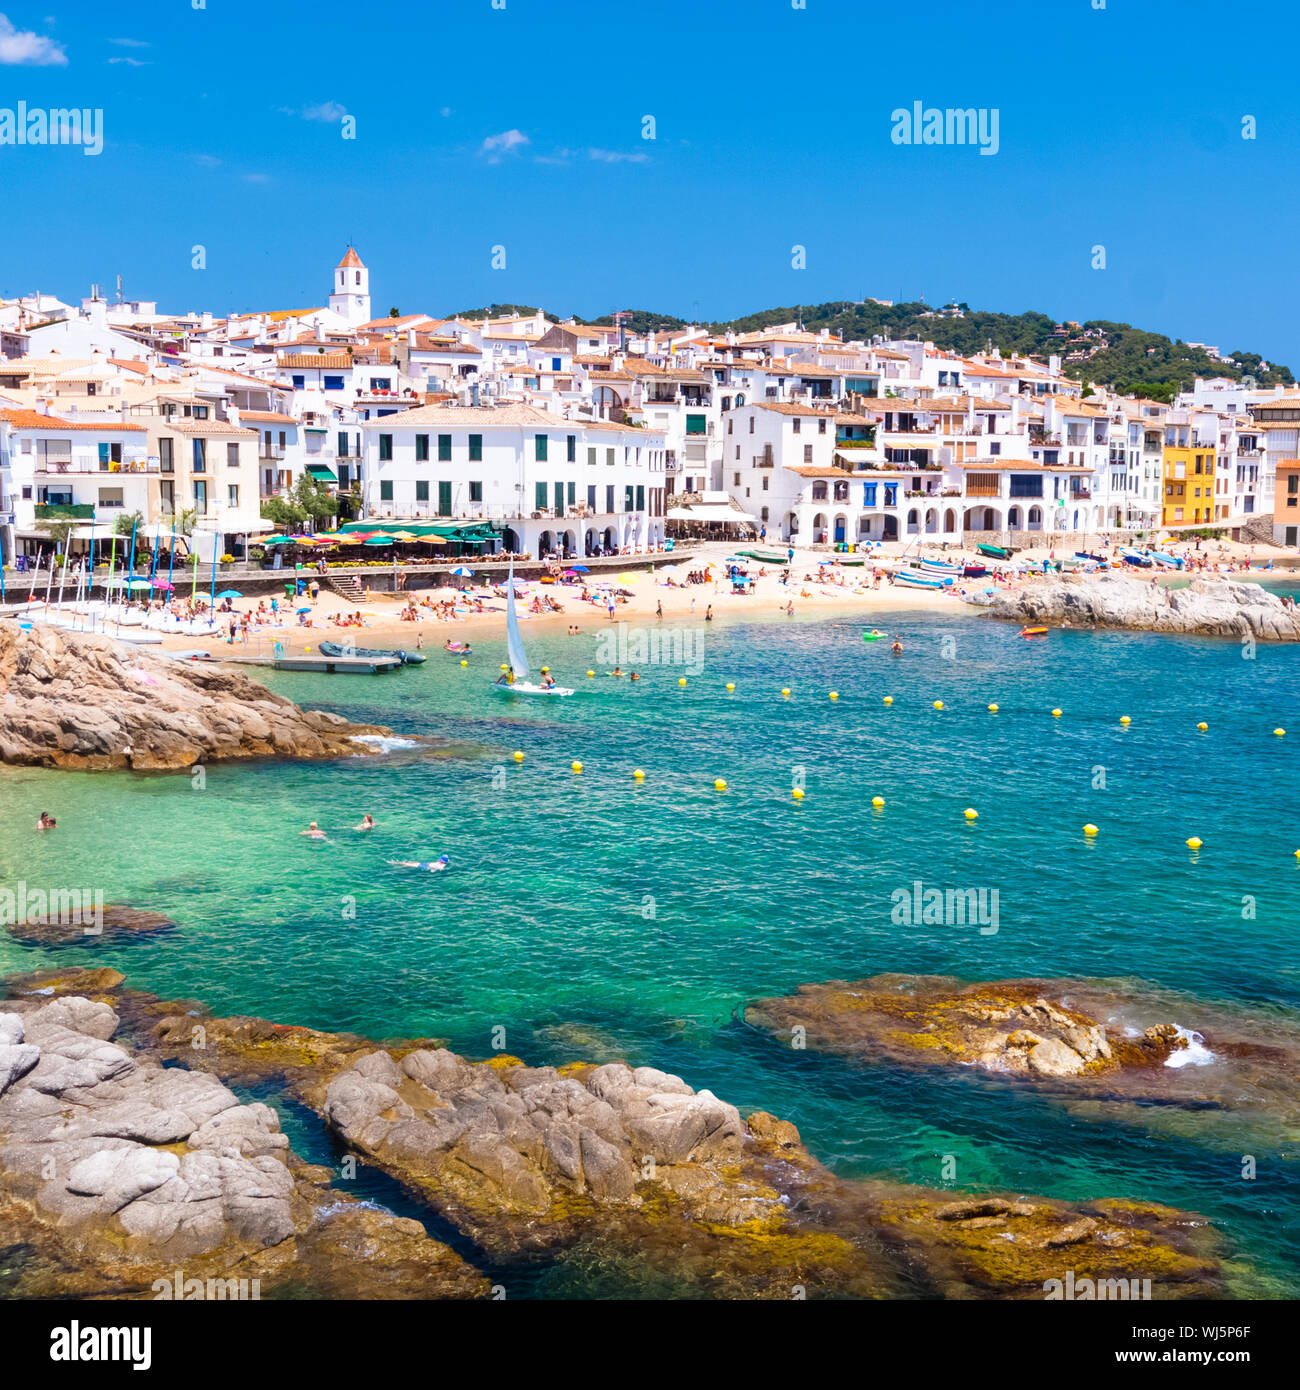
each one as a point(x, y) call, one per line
point(444, 448)
point(422, 489)
point(539, 497)
point(539, 448)
point(444, 497)
point(559, 499)
point(640, 497)
point(386, 490)
point(475, 447)
point(476, 492)
point(421, 447)
point(628, 493)
point(695, 424)
point(385, 447)
point(571, 448)
point(573, 493)
point(591, 458)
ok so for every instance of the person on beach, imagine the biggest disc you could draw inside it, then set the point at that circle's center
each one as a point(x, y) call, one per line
point(314, 831)
point(659, 609)
point(367, 822)
point(433, 866)
point(708, 614)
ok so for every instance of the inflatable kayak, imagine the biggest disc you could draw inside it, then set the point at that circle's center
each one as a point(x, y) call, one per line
point(1033, 632)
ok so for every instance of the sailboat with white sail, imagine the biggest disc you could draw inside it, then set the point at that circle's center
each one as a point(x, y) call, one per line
point(515, 681)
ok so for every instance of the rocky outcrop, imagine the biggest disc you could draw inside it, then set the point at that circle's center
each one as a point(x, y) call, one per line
point(1207, 607)
point(78, 701)
point(121, 1171)
point(88, 925)
point(1117, 1052)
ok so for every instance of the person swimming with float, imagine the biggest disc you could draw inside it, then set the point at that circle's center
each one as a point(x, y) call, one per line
point(434, 866)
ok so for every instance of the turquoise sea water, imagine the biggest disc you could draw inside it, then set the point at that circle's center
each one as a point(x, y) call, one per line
point(594, 916)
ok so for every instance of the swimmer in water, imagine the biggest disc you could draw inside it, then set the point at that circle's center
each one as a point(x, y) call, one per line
point(433, 867)
point(314, 831)
point(46, 821)
point(634, 677)
point(897, 649)
point(616, 672)
point(367, 822)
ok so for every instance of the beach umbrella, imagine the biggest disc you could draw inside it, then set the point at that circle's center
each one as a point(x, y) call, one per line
point(276, 540)
point(579, 569)
point(230, 593)
point(302, 610)
point(627, 578)
point(378, 540)
point(137, 584)
point(460, 569)
point(162, 584)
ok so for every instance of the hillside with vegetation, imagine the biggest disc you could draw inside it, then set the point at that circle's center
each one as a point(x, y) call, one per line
point(1130, 360)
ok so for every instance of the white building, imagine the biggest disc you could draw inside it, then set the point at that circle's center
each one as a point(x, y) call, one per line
point(551, 484)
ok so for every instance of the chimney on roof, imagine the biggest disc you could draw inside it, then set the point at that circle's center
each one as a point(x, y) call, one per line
point(410, 337)
point(42, 406)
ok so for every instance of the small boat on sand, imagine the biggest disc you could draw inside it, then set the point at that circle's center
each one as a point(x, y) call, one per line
point(346, 649)
point(998, 552)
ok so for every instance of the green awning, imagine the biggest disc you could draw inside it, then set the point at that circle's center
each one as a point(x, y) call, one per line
point(65, 511)
point(321, 473)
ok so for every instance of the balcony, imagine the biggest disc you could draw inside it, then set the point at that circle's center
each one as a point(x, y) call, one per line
point(271, 451)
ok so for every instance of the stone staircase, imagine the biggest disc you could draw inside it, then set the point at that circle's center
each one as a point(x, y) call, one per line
point(347, 586)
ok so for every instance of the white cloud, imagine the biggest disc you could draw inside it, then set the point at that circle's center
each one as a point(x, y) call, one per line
point(22, 47)
point(208, 161)
point(617, 157)
point(508, 142)
point(131, 43)
point(446, 111)
point(325, 111)
point(257, 178)
point(131, 62)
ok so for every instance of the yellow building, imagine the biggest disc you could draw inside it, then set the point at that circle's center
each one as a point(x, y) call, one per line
point(1188, 484)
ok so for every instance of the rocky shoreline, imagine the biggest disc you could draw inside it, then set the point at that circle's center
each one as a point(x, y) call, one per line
point(124, 1155)
point(74, 700)
point(1207, 607)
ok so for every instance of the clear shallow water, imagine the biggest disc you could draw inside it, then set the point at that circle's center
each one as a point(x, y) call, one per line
point(592, 916)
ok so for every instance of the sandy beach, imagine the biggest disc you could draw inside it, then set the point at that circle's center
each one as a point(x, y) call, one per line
point(815, 587)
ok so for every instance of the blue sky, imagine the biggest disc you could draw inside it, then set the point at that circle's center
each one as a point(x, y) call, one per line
point(522, 127)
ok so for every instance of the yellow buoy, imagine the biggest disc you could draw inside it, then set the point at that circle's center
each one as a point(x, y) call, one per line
point(938, 704)
point(1056, 714)
point(786, 692)
point(731, 685)
point(519, 757)
point(719, 785)
point(577, 767)
point(993, 709)
point(591, 673)
point(681, 680)
point(889, 699)
point(639, 775)
point(1090, 829)
point(546, 670)
point(972, 813)
point(1279, 732)
point(504, 667)
point(464, 662)
point(835, 694)
point(1124, 719)
point(1194, 843)
point(305, 650)
point(1202, 726)
point(797, 793)
point(877, 801)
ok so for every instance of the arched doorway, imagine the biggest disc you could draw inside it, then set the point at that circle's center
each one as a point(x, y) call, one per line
point(511, 541)
point(841, 528)
point(931, 522)
point(1013, 519)
point(545, 544)
point(1035, 518)
point(891, 527)
point(949, 521)
point(609, 538)
point(913, 524)
point(819, 528)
